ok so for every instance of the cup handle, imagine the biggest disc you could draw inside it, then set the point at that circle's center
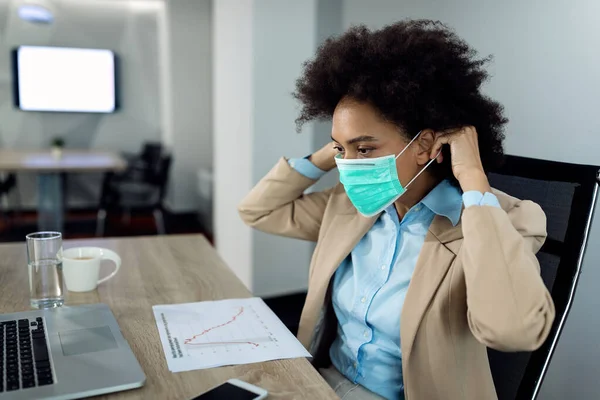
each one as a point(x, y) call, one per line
point(114, 257)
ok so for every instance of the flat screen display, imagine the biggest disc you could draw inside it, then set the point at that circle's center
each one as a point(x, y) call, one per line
point(64, 79)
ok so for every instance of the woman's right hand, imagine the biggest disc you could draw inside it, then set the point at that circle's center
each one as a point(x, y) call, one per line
point(324, 157)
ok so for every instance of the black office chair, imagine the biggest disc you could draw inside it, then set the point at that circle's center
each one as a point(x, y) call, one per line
point(148, 154)
point(9, 185)
point(142, 186)
point(567, 194)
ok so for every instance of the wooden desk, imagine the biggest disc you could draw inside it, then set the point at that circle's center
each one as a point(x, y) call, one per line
point(164, 270)
point(51, 185)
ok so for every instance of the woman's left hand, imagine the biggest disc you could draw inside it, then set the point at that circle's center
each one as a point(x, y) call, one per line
point(465, 158)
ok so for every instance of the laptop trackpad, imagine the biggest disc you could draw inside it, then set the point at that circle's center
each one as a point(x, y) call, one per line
point(84, 341)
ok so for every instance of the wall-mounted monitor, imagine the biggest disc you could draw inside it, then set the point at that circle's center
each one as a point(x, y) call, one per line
point(64, 79)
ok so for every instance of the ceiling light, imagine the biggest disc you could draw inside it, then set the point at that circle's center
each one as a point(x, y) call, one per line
point(35, 13)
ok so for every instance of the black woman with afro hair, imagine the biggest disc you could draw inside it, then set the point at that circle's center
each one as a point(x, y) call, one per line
point(420, 265)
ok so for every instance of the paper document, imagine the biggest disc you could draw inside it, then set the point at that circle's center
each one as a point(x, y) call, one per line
point(226, 332)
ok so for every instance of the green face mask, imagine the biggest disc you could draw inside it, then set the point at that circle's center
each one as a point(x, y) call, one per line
point(372, 184)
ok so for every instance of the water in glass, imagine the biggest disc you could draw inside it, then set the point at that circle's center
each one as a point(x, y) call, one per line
point(44, 263)
point(46, 284)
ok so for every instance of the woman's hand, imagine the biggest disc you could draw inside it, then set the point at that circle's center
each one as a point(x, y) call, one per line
point(324, 157)
point(466, 161)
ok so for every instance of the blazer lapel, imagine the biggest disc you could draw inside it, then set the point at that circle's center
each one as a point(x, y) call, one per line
point(437, 254)
point(345, 230)
point(342, 235)
point(345, 233)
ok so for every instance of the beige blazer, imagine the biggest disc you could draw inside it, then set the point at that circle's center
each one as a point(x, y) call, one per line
point(476, 284)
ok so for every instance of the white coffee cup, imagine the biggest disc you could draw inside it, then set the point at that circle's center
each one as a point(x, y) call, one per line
point(81, 267)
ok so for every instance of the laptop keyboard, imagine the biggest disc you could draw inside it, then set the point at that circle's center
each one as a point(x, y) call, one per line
point(24, 358)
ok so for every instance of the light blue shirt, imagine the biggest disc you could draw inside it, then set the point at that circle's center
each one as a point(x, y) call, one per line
point(370, 285)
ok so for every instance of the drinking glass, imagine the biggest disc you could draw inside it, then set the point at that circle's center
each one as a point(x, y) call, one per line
point(44, 262)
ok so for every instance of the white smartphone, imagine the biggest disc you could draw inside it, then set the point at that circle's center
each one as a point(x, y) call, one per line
point(234, 389)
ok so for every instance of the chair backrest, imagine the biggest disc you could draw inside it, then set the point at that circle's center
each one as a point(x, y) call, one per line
point(567, 194)
point(150, 169)
point(151, 151)
point(156, 173)
point(151, 157)
point(162, 176)
point(8, 184)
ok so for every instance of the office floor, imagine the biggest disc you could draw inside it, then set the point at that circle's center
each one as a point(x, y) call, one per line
point(81, 224)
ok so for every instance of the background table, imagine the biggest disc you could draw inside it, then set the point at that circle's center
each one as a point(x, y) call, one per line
point(165, 270)
point(51, 172)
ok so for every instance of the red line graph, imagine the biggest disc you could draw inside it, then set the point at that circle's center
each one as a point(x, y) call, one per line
point(223, 343)
point(204, 332)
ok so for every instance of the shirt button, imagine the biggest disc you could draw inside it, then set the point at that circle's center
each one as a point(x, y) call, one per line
point(355, 365)
point(382, 267)
point(366, 333)
point(418, 208)
point(364, 299)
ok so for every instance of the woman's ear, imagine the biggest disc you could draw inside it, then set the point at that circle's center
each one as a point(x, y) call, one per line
point(425, 143)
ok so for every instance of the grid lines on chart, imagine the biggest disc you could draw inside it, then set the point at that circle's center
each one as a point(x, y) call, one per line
point(225, 335)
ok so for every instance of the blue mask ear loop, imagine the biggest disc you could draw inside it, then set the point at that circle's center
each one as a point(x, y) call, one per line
point(422, 169)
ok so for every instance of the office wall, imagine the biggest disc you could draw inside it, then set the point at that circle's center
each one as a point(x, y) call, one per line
point(189, 113)
point(233, 92)
point(131, 29)
point(281, 44)
point(546, 74)
point(259, 47)
point(329, 23)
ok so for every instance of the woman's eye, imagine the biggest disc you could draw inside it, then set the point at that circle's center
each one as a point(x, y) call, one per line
point(364, 151)
point(339, 149)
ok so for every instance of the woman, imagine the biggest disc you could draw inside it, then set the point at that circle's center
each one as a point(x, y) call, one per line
point(419, 264)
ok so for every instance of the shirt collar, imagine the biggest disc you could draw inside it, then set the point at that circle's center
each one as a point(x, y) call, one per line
point(445, 200)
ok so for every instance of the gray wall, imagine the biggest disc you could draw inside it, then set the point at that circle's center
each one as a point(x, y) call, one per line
point(189, 132)
point(546, 74)
point(281, 44)
point(259, 47)
point(232, 109)
point(130, 28)
point(329, 23)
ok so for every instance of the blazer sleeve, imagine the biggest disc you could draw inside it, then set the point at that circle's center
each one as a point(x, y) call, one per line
point(509, 307)
point(278, 204)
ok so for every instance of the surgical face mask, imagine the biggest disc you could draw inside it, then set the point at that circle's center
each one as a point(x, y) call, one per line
point(372, 184)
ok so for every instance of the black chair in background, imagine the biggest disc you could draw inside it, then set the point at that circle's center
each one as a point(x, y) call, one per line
point(8, 185)
point(567, 194)
point(149, 154)
point(142, 186)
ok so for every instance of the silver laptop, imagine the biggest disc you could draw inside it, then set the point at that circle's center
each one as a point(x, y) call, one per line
point(65, 353)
